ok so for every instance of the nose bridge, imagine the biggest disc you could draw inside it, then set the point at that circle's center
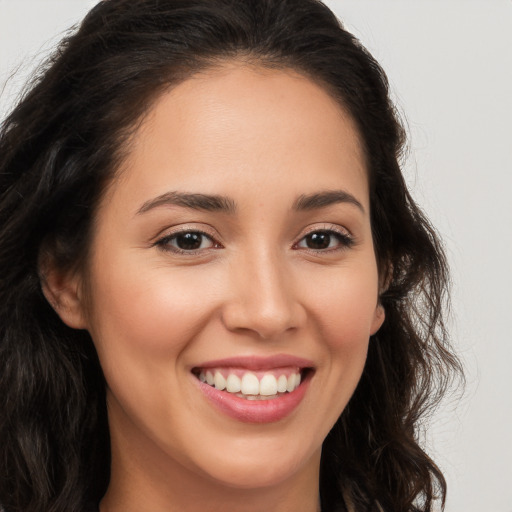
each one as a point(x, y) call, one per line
point(264, 299)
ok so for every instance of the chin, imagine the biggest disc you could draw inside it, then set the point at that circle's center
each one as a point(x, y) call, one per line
point(260, 468)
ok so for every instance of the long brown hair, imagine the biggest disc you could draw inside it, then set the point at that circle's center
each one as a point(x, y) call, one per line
point(59, 148)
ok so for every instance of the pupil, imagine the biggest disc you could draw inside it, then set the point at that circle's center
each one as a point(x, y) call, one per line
point(318, 240)
point(189, 241)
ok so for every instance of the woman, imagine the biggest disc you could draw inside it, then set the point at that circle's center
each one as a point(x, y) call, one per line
point(216, 289)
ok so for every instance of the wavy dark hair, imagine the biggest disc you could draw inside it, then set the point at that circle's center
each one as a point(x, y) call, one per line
point(63, 143)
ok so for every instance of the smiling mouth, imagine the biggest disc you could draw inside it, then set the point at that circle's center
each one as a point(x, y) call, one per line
point(253, 385)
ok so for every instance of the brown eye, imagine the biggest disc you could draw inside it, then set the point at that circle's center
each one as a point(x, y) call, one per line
point(189, 241)
point(186, 241)
point(324, 240)
point(320, 240)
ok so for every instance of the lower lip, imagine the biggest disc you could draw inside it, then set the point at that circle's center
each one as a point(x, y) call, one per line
point(255, 411)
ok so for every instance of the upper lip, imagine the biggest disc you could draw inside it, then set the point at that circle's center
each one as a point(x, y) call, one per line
point(258, 363)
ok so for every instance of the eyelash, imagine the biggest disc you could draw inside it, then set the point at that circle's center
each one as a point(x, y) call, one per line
point(164, 243)
point(345, 241)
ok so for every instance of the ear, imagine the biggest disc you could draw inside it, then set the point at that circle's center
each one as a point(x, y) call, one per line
point(378, 319)
point(385, 279)
point(62, 290)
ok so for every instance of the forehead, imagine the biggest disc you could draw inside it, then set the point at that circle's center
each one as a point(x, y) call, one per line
point(238, 124)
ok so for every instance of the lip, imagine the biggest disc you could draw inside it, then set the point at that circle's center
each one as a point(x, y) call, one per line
point(256, 411)
point(258, 363)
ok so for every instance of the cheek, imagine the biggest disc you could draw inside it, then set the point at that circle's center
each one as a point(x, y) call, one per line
point(146, 312)
point(345, 307)
point(342, 306)
point(143, 318)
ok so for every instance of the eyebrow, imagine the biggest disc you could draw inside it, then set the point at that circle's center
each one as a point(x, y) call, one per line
point(324, 199)
point(216, 203)
point(205, 202)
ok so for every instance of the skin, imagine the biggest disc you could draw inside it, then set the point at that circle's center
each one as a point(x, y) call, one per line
point(262, 138)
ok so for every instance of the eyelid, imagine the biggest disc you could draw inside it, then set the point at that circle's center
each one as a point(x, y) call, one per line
point(346, 238)
point(185, 227)
point(336, 228)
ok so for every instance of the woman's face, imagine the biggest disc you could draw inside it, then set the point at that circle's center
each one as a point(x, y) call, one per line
point(235, 247)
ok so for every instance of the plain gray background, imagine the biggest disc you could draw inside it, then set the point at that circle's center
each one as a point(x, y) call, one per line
point(450, 67)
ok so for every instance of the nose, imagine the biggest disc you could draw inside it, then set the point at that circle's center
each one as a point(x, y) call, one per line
point(263, 299)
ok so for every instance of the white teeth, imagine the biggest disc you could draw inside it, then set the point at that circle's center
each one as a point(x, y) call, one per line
point(282, 383)
point(290, 386)
point(219, 381)
point(250, 384)
point(233, 384)
point(268, 385)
